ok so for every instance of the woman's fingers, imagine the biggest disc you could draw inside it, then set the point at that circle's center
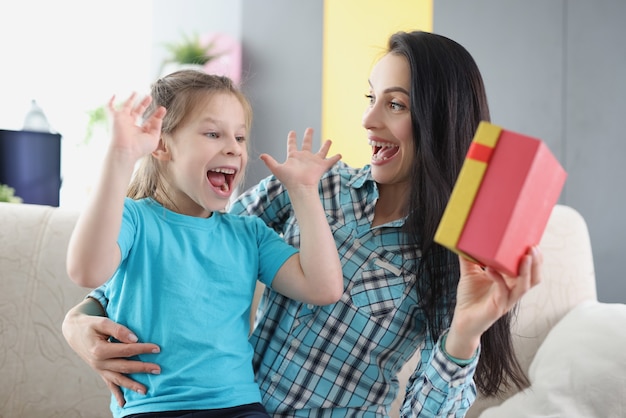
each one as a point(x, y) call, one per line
point(125, 366)
point(537, 262)
point(116, 391)
point(530, 274)
point(121, 380)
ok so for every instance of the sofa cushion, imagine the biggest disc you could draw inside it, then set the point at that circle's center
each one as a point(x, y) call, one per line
point(567, 280)
point(578, 371)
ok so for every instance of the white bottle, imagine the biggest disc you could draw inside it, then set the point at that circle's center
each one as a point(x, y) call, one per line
point(35, 119)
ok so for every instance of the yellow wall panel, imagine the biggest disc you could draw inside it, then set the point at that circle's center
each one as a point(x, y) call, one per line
point(355, 35)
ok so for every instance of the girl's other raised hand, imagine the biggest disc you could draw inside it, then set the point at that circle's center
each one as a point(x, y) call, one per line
point(302, 168)
point(132, 135)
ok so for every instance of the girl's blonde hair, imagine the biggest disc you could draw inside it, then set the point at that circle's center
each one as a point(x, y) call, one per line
point(181, 93)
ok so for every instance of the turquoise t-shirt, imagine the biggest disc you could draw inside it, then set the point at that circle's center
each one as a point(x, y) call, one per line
point(186, 284)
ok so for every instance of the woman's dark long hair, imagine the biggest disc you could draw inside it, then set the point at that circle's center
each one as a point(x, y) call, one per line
point(448, 101)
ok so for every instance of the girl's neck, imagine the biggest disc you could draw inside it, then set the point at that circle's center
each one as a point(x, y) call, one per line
point(185, 207)
point(391, 204)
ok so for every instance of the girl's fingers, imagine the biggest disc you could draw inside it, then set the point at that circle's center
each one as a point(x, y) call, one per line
point(269, 161)
point(142, 106)
point(333, 160)
point(323, 152)
point(307, 144)
point(111, 105)
point(128, 104)
point(291, 141)
point(307, 141)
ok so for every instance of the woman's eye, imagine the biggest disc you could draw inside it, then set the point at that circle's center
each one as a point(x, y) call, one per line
point(397, 106)
point(370, 98)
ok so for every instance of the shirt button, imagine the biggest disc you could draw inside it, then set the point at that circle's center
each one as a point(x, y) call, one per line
point(275, 377)
point(310, 306)
point(295, 343)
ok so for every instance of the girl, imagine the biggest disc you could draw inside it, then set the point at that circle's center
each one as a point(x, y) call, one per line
point(182, 272)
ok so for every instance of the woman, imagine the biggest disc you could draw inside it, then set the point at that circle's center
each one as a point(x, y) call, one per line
point(402, 291)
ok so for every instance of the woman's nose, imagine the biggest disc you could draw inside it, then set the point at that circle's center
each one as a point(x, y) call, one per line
point(371, 117)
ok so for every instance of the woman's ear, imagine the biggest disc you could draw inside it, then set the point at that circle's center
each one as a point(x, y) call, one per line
point(162, 153)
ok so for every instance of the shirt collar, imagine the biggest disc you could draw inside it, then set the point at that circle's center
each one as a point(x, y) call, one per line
point(362, 177)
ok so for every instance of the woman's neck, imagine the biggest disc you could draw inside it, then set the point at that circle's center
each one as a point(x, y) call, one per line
point(392, 203)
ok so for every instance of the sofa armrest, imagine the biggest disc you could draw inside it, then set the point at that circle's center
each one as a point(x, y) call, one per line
point(41, 375)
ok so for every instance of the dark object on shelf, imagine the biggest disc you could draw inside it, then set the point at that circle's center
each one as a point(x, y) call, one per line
point(30, 162)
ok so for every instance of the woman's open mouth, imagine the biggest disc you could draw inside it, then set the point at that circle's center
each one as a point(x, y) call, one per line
point(382, 151)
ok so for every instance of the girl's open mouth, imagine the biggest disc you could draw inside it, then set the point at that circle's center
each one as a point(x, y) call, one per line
point(221, 179)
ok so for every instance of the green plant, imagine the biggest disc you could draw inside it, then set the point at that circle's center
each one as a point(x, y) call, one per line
point(7, 194)
point(97, 117)
point(190, 50)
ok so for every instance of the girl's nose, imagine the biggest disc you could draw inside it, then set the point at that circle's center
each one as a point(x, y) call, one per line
point(234, 146)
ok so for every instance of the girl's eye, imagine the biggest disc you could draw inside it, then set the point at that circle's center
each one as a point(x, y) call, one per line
point(212, 134)
point(241, 139)
point(370, 98)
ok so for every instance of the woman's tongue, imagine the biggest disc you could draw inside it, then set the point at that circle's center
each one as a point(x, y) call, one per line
point(218, 180)
point(385, 153)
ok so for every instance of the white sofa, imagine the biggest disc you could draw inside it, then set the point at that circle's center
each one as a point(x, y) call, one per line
point(571, 345)
point(43, 377)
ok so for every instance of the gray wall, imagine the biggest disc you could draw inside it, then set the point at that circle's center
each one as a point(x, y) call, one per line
point(281, 62)
point(557, 70)
point(282, 50)
point(553, 69)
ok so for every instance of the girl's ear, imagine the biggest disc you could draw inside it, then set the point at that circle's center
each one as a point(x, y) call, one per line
point(162, 153)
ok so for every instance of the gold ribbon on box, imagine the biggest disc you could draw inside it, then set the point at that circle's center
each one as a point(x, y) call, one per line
point(466, 187)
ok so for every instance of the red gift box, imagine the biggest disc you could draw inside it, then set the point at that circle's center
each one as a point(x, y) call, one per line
point(502, 199)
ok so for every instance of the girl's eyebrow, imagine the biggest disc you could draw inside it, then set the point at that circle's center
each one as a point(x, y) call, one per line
point(209, 119)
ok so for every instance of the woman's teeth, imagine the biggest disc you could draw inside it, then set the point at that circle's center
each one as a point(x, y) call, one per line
point(383, 150)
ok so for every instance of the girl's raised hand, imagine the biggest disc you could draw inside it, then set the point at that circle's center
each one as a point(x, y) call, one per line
point(302, 168)
point(130, 135)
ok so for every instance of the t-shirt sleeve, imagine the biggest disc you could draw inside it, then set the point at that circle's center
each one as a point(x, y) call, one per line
point(126, 236)
point(124, 241)
point(99, 294)
point(273, 251)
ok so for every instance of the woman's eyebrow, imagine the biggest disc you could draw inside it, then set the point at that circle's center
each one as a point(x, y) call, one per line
point(397, 89)
point(392, 89)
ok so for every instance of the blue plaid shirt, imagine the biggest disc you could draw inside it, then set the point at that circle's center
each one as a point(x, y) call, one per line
point(341, 360)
